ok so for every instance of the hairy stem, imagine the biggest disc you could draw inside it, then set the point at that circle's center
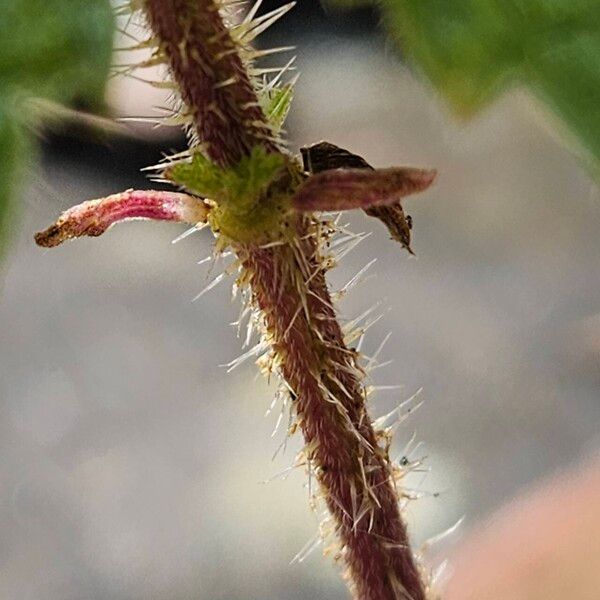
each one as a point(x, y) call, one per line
point(212, 78)
point(288, 285)
point(341, 444)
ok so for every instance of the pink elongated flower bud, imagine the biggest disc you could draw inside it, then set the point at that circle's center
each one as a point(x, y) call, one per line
point(344, 189)
point(94, 217)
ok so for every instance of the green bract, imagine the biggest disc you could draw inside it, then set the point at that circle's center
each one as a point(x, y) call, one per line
point(239, 187)
point(247, 205)
point(199, 176)
point(276, 104)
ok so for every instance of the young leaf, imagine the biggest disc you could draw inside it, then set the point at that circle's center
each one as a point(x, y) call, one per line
point(277, 105)
point(198, 175)
point(240, 186)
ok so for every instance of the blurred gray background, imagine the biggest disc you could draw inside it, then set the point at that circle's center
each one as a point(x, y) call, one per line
point(132, 465)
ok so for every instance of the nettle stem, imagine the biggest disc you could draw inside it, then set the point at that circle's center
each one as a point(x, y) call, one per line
point(212, 78)
point(288, 286)
point(341, 444)
point(259, 200)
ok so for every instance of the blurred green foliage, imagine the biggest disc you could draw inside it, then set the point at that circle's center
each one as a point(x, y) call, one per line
point(58, 50)
point(13, 157)
point(471, 50)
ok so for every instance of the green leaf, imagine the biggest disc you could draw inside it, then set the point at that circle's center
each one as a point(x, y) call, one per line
point(13, 157)
point(565, 73)
point(58, 50)
point(471, 50)
point(55, 49)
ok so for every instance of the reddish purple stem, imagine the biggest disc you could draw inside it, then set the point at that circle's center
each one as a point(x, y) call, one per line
point(203, 58)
